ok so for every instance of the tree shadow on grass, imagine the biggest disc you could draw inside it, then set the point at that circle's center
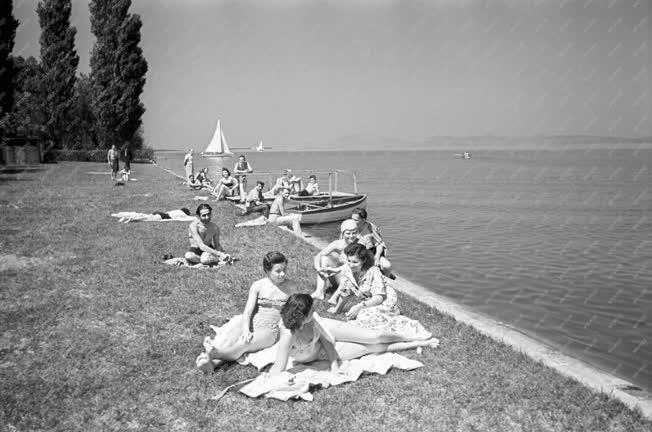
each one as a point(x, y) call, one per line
point(19, 173)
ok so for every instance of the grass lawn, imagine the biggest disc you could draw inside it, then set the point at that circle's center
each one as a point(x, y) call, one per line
point(97, 334)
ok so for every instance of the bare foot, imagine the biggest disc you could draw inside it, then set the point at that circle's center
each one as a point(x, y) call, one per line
point(208, 345)
point(332, 310)
point(204, 364)
point(425, 336)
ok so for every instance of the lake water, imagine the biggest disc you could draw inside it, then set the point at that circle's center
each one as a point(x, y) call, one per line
point(556, 243)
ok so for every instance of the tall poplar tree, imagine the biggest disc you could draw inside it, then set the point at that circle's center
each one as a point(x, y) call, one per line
point(27, 116)
point(8, 26)
point(59, 61)
point(118, 70)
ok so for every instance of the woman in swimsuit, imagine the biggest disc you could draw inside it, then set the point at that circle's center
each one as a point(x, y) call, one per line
point(332, 257)
point(257, 328)
point(227, 185)
point(305, 339)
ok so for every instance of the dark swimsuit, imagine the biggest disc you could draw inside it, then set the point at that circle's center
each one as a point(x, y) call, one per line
point(198, 251)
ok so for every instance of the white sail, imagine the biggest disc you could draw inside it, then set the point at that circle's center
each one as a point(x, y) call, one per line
point(218, 144)
point(260, 146)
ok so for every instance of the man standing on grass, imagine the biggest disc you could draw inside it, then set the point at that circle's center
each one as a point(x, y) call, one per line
point(127, 156)
point(240, 173)
point(112, 158)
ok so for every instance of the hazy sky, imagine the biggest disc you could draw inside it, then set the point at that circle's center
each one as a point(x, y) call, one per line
point(315, 74)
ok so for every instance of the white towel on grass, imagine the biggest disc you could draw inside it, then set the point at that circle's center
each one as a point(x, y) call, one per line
point(295, 383)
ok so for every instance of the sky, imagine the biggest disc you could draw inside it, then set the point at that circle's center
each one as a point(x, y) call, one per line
point(307, 75)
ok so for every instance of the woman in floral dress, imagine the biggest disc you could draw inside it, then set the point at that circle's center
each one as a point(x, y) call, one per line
point(376, 305)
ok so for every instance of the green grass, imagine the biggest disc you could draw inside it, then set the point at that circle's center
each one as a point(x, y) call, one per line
point(97, 334)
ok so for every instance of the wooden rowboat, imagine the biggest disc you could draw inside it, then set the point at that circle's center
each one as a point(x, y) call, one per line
point(325, 207)
point(318, 211)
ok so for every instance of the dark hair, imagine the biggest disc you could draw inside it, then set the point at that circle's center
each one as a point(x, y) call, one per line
point(203, 206)
point(242, 156)
point(271, 259)
point(360, 251)
point(227, 170)
point(260, 183)
point(185, 210)
point(295, 310)
point(312, 176)
point(360, 211)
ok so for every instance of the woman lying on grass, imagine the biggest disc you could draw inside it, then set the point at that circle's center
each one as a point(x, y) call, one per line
point(306, 340)
point(181, 214)
point(204, 235)
point(257, 327)
point(332, 256)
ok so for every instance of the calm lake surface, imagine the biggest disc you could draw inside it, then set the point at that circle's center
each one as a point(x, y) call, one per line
point(555, 243)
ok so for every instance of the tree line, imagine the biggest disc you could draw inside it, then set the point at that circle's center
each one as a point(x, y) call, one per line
point(47, 99)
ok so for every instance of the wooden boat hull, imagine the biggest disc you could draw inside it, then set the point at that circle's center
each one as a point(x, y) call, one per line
point(336, 208)
point(339, 209)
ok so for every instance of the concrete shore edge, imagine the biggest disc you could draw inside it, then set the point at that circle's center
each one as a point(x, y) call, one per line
point(549, 356)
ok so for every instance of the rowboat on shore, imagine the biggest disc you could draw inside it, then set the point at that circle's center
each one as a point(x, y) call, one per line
point(324, 207)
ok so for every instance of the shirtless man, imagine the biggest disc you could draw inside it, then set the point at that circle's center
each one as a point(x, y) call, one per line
point(240, 173)
point(204, 235)
point(278, 216)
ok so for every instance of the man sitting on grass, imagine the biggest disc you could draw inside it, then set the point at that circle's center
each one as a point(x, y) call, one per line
point(255, 202)
point(204, 235)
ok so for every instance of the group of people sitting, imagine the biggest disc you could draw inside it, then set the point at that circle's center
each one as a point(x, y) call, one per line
point(276, 311)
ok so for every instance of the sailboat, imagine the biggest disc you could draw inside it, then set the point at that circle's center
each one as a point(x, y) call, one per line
point(218, 147)
point(260, 146)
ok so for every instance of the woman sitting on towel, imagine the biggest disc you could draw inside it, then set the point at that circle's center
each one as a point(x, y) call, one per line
point(376, 301)
point(204, 235)
point(257, 327)
point(332, 256)
point(227, 185)
point(305, 339)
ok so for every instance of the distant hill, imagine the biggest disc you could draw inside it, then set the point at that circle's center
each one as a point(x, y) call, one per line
point(382, 143)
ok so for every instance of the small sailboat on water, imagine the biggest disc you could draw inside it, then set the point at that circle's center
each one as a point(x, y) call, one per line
point(218, 147)
point(260, 148)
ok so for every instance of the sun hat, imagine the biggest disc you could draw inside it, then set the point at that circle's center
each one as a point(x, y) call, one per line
point(348, 225)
